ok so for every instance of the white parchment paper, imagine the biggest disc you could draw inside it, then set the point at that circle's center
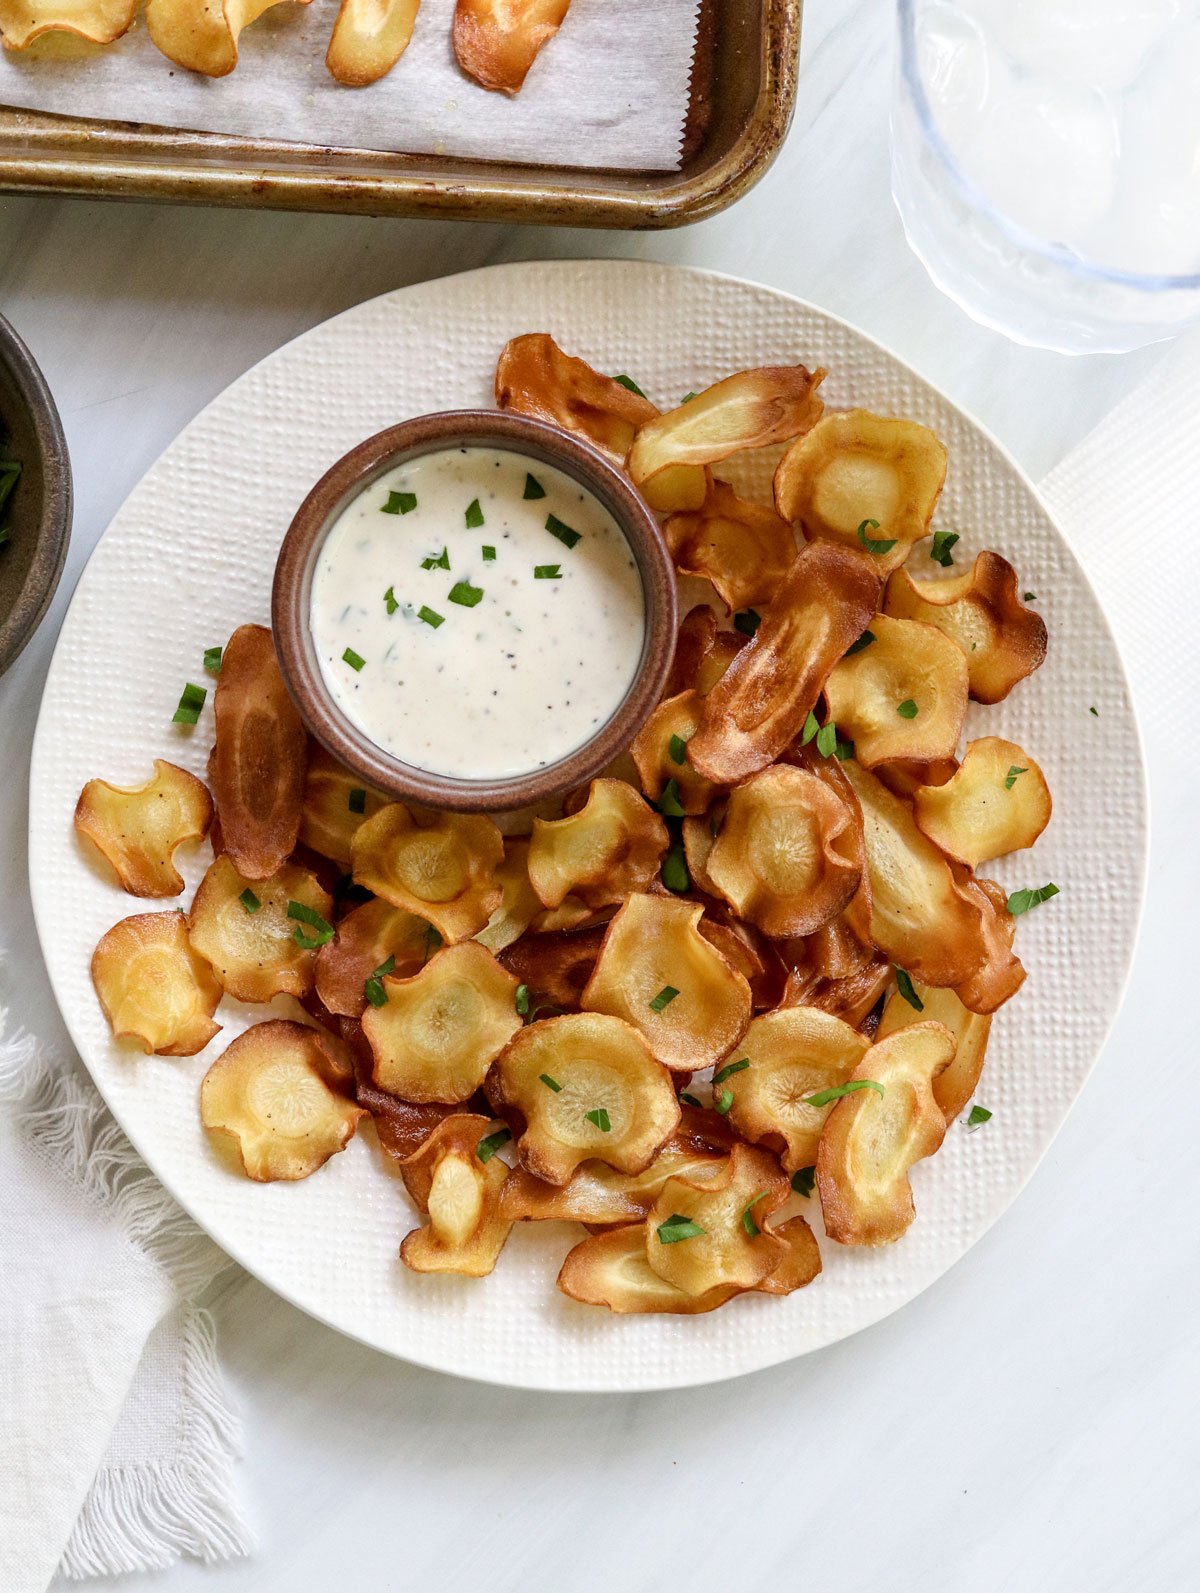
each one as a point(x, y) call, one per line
point(610, 90)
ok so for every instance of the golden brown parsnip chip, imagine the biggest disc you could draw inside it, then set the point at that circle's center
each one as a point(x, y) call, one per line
point(743, 548)
point(734, 1248)
point(758, 707)
point(954, 1085)
point(699, 838)
point(853, 996)
point(137, 828)
point(611, 846)
point(401, 1127)
point(496, 41)
point(100, 21)
point(998, 974)
point(368, 38)
point(439, 1031)
point(793, 1053)
point(697, 632)
point(855, 467)
point(154, 988)
point(611, 1269)
point(535, 377)
point(657, 972)
point(571, 914)
point(336, 802)
point(1003, 640)
point(750, 409)
point(273, 1091)
point(519, 904)
point(839, 948)
point(365, 940)
point(254, 950)
point(747, 950)
point(870, 1141)
point(460, 1194)
point(775, 859)
point(997, 802)
point(903, 697)
point(678, 489)
point(801, 1261)
point(444, 870)
point(554, 967)
point(725, 648)
point(903, 778)
point(258, 762)
point(608, 1099)
point(656, 749)
point(202, 35)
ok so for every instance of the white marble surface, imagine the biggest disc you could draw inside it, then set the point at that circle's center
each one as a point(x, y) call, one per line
point(1032, 1419)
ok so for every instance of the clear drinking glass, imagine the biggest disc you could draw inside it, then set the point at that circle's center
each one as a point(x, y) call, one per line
point(1046, 164)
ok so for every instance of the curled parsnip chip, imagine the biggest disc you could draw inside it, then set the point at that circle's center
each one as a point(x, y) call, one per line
point(699, 838)
point(202, 35)
point(438, 1032)
point(137, 828)
point(599, 1194)
point(852, 996)
point(608, 1099)
point(275, 1092)
point(460, 1194)
point(535, 377)
point(840, 948)
point(725, 648)
point(554, 967)
point(743, 548)
point(697, 632)
point(401, 1127)
point(519, 903)
point(714, 1234)
point(801, 1261)
point(335, 803)
point(996, 802)
point(775, 859)
point(904, 696)
point(857, 470)
point(658, 972)
point(100, 21)
point(611, 1269)
point(954, 1085)
point(497, 41)
point(748, 410)
point(444, 871)
point(154, 987)
point(243, 929)
point(793, 1054)
point(902, 778)
point(758, 707)
point(368, 38)
point(747, 950)
point(998, 974)
point(660, 753)
point(368, 938)
point(258, 762)
point(611, 846)
point(870, 1140)
point(1003, 640)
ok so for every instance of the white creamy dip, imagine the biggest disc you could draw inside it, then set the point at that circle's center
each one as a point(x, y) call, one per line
point(471, 629)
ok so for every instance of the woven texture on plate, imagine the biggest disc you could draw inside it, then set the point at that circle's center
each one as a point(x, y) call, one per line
point(190, 556)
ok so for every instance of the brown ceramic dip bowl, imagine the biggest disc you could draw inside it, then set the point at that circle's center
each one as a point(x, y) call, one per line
point(356, 471)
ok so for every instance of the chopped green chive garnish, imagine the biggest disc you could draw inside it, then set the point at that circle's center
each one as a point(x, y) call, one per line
point(940, 552)
point(827, 740)
point(723, 1102)
point(687, 398)
point(730, 1069)
point(356, 800)
point(441, 562)
point(212, 659)
point(677, 748)
point(748, 1222)
point(747, 621)
point(322, 932)
point(843, 750)
point(824, 1097)
point(907, 709)
point(688, 1100)
point(864, 640)
point(474, 515)
point(628, 381)
point(463, 593)
point(249, 900)
point(676, 1228)
point(430, 616)
point(977, 1115)
point(804, 1180)
point(488, 1147)
point(355, 660)
point(564, 533)
point(873, 547)
point(533, 488)
point(669, 804)
point(1029, 597)
point(1094, 710)
point(191, 701)
point(904, 985)
point(547, 572)
point(489, 553)
point(551, 1084)
point(522, 1000)
point(600, 1118)
point(400, 503)
point(1021, 901)
point(1010, 779)
point(389, 598)
point(811, 725)
point(664, 998)
point(373, 988)
point(675, 874)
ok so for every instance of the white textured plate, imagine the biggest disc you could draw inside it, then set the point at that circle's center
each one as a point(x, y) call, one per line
point(190, 556)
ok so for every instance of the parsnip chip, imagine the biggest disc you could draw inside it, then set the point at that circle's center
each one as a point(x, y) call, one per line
point(954, 1086)
point(657, 972)
point(202, 35)
point(725, 648)
point(852, 996)
point(744, 549)
point(775, 859)
point(335, 803)
point(709, 1235)
point(997, 802)
point(259, 759)
point(678, 489)
point(368, 38)
point(273, 1091)
point(497, 41)
point(444, 871)
point(660, 753)
point(519, 904)
point(857, 470)
point(100, 21)
point(871, 1140)
point(747, 950)
point(980, 610)
point(571, 914)
point(793, 1054)
point(902, 777)
point(611, 1269)
point(998, 974)
point(154, 987)
point(607, 1100)
point(368, 938)
point(904, 696)
point(611, 846)
point(460, 1194)
point(838, 949)
point(554, 967)
point(801, 1261)
point(750, 409)
point(243, 929)
point(137, 828)
point(822, 605)
point(699, 838)
point(535, 377)
point(697, 632)
point(438, 1032)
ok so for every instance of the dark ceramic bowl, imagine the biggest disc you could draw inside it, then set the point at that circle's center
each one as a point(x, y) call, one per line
point(357, 470)
point(38, 514)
